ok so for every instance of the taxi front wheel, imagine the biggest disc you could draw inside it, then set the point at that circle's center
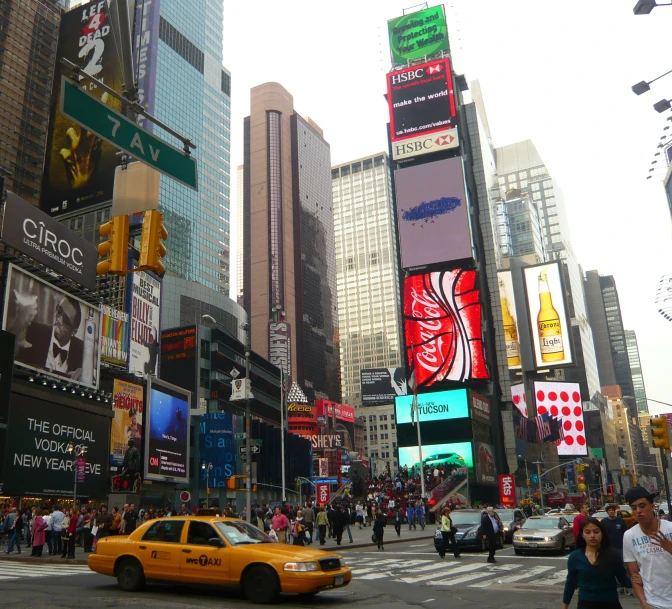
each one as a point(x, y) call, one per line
point(261, 585)
point(130, 575)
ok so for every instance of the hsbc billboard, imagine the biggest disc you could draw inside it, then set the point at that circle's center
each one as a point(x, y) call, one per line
point(422, 103)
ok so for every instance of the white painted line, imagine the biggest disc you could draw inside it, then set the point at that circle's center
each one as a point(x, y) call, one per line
point(429, 600)
point(472, 576)
point(534, 571)
point(448, 568)
point(375, 575)
point(557, 578)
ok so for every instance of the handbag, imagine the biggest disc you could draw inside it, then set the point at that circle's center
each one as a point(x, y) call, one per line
point(374, 538)
point(453, 530)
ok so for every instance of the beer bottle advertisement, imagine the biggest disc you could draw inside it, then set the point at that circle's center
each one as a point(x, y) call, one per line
point(509, 319)
point(548, 316)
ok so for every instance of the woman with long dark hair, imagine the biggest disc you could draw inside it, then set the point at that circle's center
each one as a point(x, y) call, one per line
point(593, 568)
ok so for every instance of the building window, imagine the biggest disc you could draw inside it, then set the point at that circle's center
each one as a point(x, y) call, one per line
point(205, 349)
point(205, 378)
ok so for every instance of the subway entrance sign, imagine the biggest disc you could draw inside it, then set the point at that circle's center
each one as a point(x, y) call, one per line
point(123, 133)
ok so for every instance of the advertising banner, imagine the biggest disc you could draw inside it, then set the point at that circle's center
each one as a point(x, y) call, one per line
point(167, 446)
point(563, 402)
point(7, 341)
point(484, 463)
point(323, 465)
point(79, 166)
point(510, 319)
point(323, 494)
point(81, 470)
point(145, 323)
point(335, 410)
point(333, 440)
point(145, 53)
point(37, 460)
point(421, 100)
point(31, 231)
point(450, 456)
point(425, 144)
point(56, 333)
point(549, 322)
point(479, 408)
point(128, 406)
point(442, 327)
point(217, 447)
point(114, 336)
point(433, 212)
point(279, 343)
point(179, 355)
point(519, 398)
point(382, 385)
point(438, 406)
point(418, 34)
point(507, 490)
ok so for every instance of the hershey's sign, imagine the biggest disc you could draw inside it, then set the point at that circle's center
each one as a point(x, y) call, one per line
point(279, 344)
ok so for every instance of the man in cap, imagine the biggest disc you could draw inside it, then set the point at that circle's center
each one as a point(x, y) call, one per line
point(647, 551)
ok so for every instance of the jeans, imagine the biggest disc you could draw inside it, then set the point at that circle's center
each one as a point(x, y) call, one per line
point(421, 522)
point(379, 539)
point(71, 546)
point(397, 527)
point(15, 539)
point(323, 533)
point(48, 537)
point(347, 528)
point(411, 522)
point(56, 541)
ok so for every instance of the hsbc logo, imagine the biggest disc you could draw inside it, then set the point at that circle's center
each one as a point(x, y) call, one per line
point(425, 144)
point(411, 75)
point(435, 69)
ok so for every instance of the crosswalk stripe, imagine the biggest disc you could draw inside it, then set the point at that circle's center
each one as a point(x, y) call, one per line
point(553, 579)
point(375, 575)
point(472, 576)
point(513, 578)
point(448, 568)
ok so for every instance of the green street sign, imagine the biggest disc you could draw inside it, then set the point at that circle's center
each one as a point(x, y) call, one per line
point(115, 128)
point(257, 442)
point(239, 436)
point(418, 34)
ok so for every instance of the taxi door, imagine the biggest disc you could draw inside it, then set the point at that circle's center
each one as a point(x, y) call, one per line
point(201, 562)
point(159, 549)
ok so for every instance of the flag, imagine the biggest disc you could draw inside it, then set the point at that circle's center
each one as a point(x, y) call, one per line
point(520, 427)
point(543, 422)
point(561, 431)
point(555, 431)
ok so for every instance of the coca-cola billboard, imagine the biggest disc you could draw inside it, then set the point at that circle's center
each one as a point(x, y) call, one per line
point(442, 327)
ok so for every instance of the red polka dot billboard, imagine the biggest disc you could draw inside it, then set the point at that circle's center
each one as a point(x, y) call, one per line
point(563, 402)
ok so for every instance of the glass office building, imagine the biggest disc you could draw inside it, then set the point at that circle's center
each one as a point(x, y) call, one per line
point(367, 269)
point(636, 372)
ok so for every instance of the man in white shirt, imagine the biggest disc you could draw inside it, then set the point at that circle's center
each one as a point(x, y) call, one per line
point(57, 529)
point(647, 550)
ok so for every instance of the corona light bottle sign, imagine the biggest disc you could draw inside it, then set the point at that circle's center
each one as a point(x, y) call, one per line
point(548, 323)
point(510, 331)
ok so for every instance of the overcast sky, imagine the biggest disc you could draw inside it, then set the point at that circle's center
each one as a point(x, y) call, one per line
point(559, 73)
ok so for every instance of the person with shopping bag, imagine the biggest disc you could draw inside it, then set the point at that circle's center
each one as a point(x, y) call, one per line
point(447, 530)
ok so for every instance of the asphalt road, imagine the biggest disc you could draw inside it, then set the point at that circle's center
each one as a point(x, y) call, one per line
point(406, 574)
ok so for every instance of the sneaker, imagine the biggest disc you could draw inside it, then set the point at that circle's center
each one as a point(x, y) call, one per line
point(491, 560)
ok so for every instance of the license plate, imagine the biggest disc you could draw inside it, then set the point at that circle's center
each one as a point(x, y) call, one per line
point(338, 580)
point(532, 545)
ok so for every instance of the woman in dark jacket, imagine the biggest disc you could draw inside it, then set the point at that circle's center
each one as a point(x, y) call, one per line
point(378, 528)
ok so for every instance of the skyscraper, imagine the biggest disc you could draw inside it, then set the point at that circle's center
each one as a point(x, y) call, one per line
point(521, 170)
point(367, 270)
point(636, 372)
point(288, 237)
point(28, 40)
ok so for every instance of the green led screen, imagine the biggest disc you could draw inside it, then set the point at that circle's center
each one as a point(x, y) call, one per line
point(418, 34)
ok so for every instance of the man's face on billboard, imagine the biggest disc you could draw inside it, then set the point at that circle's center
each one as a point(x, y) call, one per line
point(64, 321)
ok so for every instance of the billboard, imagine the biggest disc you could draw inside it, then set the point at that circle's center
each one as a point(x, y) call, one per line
point(217, 447)
point(433, 213)
point(382, 385)
point(341, 412)
point(479, 408)
point(56, 333)
point(507, 490)
point(7, 341)
point(418, 34)
point(484, 463)
point(37, 462)
point(563, 402)
point(167, 419)
point(550, 326)
point(438, 406)
point(421, 100)
point(279, 345)
point(519, 398)
point(509, 319)
point(145, 322)
point(79, 166)
point(31, 231)
point(145, 53)
point(451, 456)
point(114, 336)
point(442, 327)
point(178, 356)
point(128, 406)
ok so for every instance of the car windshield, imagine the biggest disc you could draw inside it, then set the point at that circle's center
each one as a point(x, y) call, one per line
point(541, 523)
point(569, 517)
point(465, 518)
point(239, 533)
point(505, 514)
point(600, 515)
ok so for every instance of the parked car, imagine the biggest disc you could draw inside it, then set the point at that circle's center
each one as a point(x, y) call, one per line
point(627, 516)
point(512, 521)
point(219, 551)
point(467, 523)
point(544, 533)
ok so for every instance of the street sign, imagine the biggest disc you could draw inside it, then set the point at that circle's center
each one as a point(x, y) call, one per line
point(255, 449)
point(257, 442)
point(239, 436)
point(548, 487)
point(123, 133)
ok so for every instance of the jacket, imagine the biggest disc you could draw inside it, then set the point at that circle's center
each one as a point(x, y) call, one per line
point(378, 525)
point(39, 536)
point(321, 519)
point(447, 524)
point(486, 525)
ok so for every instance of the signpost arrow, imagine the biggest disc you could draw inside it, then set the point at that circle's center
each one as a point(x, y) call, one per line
point(255, 450)
point(123, 133)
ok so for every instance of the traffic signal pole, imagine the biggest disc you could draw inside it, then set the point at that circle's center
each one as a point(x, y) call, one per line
point(663, 458)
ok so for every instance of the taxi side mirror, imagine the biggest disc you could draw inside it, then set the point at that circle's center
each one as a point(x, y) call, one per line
point(216, 542)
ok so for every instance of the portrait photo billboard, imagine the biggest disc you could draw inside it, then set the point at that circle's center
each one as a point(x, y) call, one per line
point(549, 323)
point(56, 333)
point(433, 213)
point(167, 431)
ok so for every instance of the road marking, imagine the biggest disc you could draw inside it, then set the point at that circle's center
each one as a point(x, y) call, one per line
point(448, 568)
point(472, 576)
point(513, 578)
point(558, 576)
point(375, 575)
point(17, 571)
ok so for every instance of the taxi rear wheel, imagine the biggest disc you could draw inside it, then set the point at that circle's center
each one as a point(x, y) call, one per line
point(261, 585)
point(130, 575)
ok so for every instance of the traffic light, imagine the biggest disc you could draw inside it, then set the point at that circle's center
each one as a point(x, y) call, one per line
point(151, 248)
point(660, 433)
point(580, 467)
point(116, 247)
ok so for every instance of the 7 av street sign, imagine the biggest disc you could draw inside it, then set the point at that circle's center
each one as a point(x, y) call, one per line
point(123, 133)
point(255, 450)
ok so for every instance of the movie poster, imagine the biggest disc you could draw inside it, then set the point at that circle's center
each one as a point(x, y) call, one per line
point(145, 312)
point(128, 405)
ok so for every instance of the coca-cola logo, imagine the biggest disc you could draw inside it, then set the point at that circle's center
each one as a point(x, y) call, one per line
point(427, 313)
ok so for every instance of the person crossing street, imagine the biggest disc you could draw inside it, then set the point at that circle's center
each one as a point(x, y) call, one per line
point(491, 525)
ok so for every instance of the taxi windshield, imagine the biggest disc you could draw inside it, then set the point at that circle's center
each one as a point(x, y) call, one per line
point(239, 532)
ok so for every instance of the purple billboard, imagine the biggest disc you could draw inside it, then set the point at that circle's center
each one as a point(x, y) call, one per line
point(433, 213)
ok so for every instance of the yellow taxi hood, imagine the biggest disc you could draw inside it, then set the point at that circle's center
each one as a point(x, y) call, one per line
point(290, 552)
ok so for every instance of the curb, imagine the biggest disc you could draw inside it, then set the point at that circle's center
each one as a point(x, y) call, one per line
point(42, 560)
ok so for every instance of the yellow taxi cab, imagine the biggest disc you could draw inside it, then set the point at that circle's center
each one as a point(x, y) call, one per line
point(624, 511)
point(207, 549)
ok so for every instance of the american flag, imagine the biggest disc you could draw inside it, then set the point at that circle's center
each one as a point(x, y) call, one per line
point(520, 427)
point(543, 426)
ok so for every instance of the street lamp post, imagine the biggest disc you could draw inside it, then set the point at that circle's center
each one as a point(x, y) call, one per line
point(207, 469)
point(644, 7)
point(72, 449)
point(527, 477)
